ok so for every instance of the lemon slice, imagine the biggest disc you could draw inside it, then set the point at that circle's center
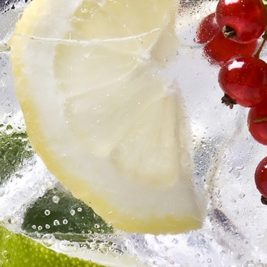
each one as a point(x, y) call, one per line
point(102, 114)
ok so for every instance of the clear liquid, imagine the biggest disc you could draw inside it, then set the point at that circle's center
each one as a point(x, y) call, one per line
point(225, 156)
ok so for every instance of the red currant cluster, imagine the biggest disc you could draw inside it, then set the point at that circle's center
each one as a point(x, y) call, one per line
point(230, 38)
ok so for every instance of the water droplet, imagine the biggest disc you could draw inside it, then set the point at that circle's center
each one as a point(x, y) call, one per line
point(56, 199)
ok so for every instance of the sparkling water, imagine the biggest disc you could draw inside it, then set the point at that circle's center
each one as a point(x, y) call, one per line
point(234, 233)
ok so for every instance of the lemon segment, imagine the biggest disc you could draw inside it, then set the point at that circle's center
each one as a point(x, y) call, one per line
point(100, 115)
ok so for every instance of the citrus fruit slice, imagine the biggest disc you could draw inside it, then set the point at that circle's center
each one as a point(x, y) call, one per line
point(18, 250)
point(103, 113)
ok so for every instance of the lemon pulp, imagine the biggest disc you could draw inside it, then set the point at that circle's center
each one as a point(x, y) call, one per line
point(101, 115)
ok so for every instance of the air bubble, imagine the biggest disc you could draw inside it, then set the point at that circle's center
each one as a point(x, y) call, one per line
point(47, 212)
point(65, 221)
point(48, 240)
point(56, 199)
point(93, 245)
point(56, 223)
point(79, 209)
point(72, 212)
point(4, 254)
point(242, 195)
point(175, 241)
point(2, 192)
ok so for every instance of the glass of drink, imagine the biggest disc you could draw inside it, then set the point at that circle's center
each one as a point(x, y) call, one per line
point(217, 153)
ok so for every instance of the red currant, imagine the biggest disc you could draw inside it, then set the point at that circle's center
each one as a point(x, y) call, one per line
point(245, 20)
point(220, 49)
point(244, 80)
point(261, 177)
point(257, 123)
point(207, 29)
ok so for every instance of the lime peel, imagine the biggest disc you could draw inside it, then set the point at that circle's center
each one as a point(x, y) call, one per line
point(17, 250)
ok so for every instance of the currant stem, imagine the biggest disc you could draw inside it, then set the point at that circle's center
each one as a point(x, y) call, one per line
point(228, 101)
point(228, 32)
point(263, 200)
point(264, 36)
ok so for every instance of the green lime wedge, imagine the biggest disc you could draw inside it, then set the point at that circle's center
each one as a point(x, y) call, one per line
point(67, 215)
point(14, 149)
point(17, 250)
point(59, 212)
